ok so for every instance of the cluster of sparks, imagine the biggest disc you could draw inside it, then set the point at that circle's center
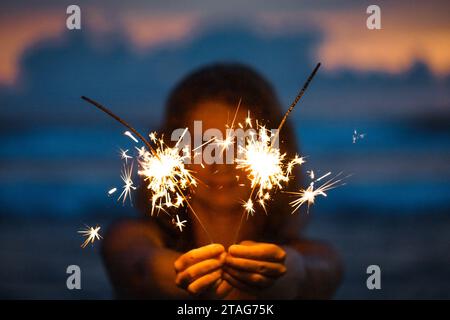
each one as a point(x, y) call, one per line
point(308, 195)
point(165, 174)
point(265, 166)
point(91, 235)
point(162, 169)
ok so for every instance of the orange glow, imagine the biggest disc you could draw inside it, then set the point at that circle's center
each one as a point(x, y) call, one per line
point(17, 37)
point(409, 34)
point(146, 31)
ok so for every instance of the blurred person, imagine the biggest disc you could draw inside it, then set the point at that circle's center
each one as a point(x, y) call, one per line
point(147, 257)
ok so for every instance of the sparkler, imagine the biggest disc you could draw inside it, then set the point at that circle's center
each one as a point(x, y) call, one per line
point(162, 169)
point(264, 163)
point(91, 235)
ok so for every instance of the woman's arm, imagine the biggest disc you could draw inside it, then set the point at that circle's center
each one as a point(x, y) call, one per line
point(321, 266)
point(138, 263)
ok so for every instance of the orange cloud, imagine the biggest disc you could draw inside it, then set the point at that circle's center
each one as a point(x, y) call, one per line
point(408, 35)
point(17, 37)
point(146, 31)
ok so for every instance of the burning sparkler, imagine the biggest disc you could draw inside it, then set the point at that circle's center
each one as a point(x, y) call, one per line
point(266, 167)
point(162, 168)
point(165, 174)
point(91, 235)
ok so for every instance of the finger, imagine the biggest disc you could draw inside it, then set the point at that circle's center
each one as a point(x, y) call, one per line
point(266, 268)
point(248, 243)
point(238, 284)
point(197, 255)
point(250, 278)
point(223, 289)
point(258, 251)
point(203, 283)
point(197, 270)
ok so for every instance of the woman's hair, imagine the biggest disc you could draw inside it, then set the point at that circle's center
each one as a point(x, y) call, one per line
point(229, 83)
point(226, 83)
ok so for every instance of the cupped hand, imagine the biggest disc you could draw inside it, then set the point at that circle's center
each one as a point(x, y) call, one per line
point(199, 271)
point(252, 266)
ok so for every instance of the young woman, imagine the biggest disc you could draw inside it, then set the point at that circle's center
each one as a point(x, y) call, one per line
point(148, 258)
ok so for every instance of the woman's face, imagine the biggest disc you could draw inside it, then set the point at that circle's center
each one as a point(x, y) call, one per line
point(220, 186)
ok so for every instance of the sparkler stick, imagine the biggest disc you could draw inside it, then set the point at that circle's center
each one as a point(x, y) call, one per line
point(274, 172)
point(153, 152)
point(120, 120)
point(296, 100)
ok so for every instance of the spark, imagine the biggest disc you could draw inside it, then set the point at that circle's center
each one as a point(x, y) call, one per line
point(309, 194)
point(129, 185)
point(180, 224)
point(248, 120)
point(152, 136)
point(124, 155)
point(165, 174)
point(357, 136)
point(111, 191)
point(229, 133)
point(91, 235)
point(248, 206)
point(130, 135)
point(266, 167)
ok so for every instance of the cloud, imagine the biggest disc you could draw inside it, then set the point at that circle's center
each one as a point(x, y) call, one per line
point(411, 33)
point(17, 37)
point(408, 35)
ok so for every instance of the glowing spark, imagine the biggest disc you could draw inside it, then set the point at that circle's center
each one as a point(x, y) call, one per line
point(111, 191)
point(152, 136)
point(130, 135)
point(129, 185)
point(141, 151)
point(248, 120)
point(357, 136)
point(165, 172)
point(265, 165)
point(203, 144)
point(248, 206)
point(309, 194)
point(124, 155)
point(229, 134)
point(180, 224)
point(324, 176)
point(91, 235)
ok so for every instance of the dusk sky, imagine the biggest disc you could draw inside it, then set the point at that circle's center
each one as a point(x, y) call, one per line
point(393, 83)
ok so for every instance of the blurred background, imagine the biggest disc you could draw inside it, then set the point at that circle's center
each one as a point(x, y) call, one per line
point(59, 156)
